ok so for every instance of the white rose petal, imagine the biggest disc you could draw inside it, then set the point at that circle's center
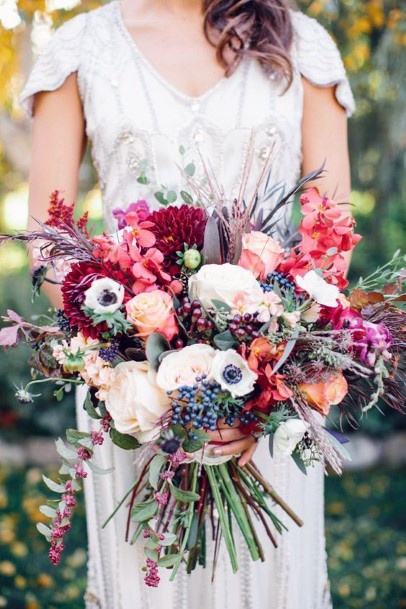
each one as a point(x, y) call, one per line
point(318, 289)
point(222, 282)
point(135, 401)
point(182, 367)
point(289, 434)
point(104, 296)
point(232, 373)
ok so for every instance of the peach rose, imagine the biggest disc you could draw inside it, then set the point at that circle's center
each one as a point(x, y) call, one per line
point(150, 312)
point(260, 254)
point(321, 396)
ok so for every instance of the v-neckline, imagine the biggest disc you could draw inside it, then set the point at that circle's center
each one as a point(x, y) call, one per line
point(157, 74)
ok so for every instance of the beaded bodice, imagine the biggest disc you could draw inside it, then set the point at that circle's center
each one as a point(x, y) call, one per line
point(136, 121)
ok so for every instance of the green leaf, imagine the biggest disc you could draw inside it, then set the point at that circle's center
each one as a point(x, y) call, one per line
point(184, 496)
point(156, 344)
point(54, 486)
point(99, 470)
point(225, 341)
point(191, 446)
point(171, 196)
point(64, 451)
point(155, 468)
point(142, 179)
point(170, 538)
point(89, 407)
point(296, 458)
point(212, 245)
point(221, 306)
point(188, 199)
point(194, 529)
point(123, 440)
point(160, 197)
point(190, 169)
point(73, 436)
point(48, 511)
point(182, 150)
point(152, 554)
point(44, 530)
point(168, 561)
point(271, 444)
point(143, 511)
point(151, 544)
point(58, 394)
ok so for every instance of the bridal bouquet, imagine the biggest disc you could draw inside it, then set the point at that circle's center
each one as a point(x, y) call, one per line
point(185, 322)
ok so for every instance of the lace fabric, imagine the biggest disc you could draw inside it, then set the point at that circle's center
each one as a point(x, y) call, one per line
point(136, 121)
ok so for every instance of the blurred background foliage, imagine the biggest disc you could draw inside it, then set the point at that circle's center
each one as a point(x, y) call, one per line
point(371, 35)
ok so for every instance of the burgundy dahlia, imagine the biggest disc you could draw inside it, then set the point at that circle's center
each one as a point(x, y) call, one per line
point(75, 284)
point(175, 226)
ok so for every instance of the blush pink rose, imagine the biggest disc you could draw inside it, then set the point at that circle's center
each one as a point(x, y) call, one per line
point(150, 312)
point(260, 254)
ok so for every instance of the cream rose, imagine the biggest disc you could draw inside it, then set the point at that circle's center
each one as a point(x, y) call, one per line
point(222, 282)
point(135, 401)
point(182, 367)
point(150, 312)
point(260, 254)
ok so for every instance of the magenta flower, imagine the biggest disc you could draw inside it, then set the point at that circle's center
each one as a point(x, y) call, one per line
point(140, 207)
point(371, 340)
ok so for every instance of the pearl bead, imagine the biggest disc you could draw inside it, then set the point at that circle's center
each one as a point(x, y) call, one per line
point(198, 136)
point(133, 163)
point(264, 153)
point(127, 137)
point(271, 129)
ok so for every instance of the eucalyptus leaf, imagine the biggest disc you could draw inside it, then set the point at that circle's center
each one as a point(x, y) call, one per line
point(171, 196)
point(184, 496)
point(64, 451)
point(89, 407)
point(143, 511)
point(221, 306)
point(73, 436)
point(169, 560)
point(54, 486)
point(123, 440)
point(225, 341)
point(48, 511)
point(156, 344)
point(155, 468)
point(99, 470)
point(190, 169)
point(170, 538)
point(188, 199)
point(44, 530)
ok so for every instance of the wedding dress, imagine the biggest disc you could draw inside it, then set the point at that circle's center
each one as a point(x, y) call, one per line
point(136, 121)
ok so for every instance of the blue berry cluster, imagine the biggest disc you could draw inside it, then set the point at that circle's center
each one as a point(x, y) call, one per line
point(201, 405)
point(63, 322)
point(201, 409)
point(280, 279)
point(109, 354)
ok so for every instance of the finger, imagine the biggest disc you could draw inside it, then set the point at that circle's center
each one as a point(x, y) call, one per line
point(233, 448)
point(226, 435)
point(221, 424)
point(247, 455)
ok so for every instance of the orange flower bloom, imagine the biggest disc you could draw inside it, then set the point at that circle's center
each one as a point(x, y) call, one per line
point(321, 396)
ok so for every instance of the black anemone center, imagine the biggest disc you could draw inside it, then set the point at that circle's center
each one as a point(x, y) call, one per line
point(232, 374)
point(107, 297)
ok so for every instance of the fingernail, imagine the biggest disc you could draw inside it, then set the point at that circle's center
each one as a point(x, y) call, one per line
point(217, 451)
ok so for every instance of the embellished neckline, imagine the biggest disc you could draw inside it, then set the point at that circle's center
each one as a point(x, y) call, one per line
point(181, 95)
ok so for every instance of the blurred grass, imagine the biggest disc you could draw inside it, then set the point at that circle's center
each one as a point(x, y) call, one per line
point(365, 536)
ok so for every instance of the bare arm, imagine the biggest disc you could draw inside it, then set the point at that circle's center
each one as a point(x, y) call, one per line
point(325, 138)
point(58, 146)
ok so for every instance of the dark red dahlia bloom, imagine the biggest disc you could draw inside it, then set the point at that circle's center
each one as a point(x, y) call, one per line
point(174, 226)
point(75, 284)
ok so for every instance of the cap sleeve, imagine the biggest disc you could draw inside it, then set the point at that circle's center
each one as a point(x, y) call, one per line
point(319, 60)
point(60, 57)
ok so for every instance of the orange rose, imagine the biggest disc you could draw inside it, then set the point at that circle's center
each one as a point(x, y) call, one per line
point(260, 254)
point(321, 396)
point(150, 312)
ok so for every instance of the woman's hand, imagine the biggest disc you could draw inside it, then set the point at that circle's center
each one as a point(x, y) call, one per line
point(233, 442)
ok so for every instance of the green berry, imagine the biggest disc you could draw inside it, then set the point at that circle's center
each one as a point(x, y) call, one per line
point(192, 258)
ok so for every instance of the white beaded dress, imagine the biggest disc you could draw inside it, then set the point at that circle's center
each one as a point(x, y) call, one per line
point(136, 121)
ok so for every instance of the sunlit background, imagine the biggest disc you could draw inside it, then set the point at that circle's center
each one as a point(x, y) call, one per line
point(365, 516)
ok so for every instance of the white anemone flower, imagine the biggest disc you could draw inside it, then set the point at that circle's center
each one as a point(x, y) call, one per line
point(322, 292)
point(232, 373)
point(104, 296)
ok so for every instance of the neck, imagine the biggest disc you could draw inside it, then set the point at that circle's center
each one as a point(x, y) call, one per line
point(177, 6)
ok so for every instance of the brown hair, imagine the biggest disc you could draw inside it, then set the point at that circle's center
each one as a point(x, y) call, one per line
point(250, 28)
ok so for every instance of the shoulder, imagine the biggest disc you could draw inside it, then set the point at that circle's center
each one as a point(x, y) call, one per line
point(75, 29)
point(317, 57)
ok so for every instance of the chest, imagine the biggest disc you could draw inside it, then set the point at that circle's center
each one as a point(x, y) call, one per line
point(137, 120)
